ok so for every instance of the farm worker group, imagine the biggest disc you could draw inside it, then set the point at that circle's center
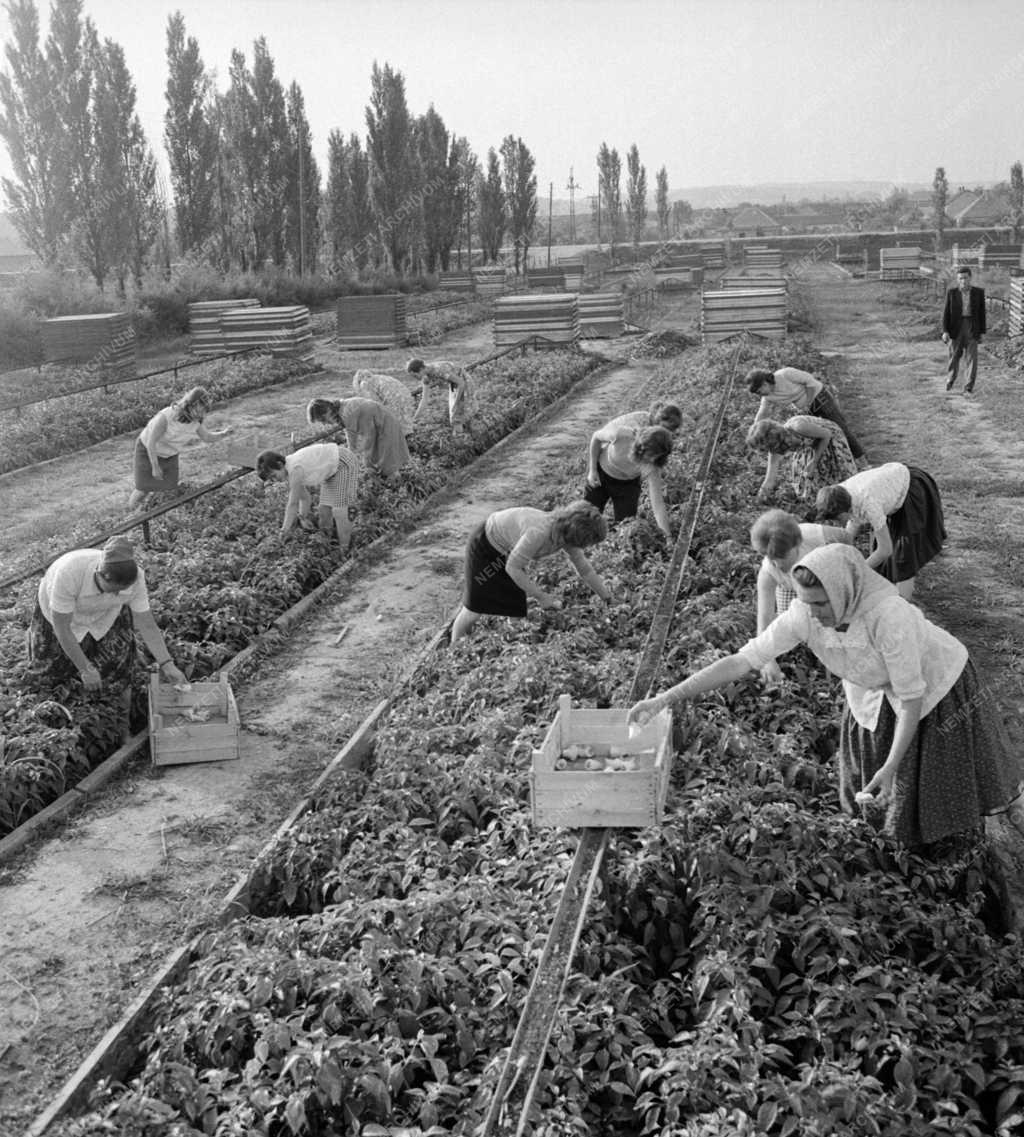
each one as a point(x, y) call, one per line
point(916, 739)
point(377, 420)
point(622, 455)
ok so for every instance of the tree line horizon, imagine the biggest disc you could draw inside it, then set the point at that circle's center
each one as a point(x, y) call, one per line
point(246, 191)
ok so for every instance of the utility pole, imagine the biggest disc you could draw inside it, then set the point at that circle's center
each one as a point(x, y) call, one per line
point(572, 187)
point(551, 200)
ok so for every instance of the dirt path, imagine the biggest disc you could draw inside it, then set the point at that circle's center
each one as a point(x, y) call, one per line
point(893, 387)
point(44, 502)
point(87, 916)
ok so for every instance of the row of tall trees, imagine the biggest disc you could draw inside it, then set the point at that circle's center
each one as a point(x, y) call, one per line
point(245, 186)
point(629, 216)
point(85, 180)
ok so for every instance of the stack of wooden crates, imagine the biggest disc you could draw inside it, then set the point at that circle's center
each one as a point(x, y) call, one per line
point(549, 316)
point(371, 322)
point(103, 341)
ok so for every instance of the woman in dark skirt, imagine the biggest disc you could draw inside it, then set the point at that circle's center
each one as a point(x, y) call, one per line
point(155, 460)
point(501, 548)
point(902, 506)
point(917, 745)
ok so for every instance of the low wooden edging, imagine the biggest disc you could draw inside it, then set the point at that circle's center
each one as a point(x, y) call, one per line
point(70, 800)
point(117, 1050)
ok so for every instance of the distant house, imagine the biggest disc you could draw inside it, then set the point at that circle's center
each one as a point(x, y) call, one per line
point(806, 221)
point(982, 209)
point(752, 221)
point(959, 202)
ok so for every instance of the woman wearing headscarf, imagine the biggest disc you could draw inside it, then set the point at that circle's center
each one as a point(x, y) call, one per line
point(501, 549)
point(156, 449)
point(371, 430)
point(89, 606)
point(817, 450)
point(915, 740)
point(387, 390)
point(903, 507)
point(782, 541)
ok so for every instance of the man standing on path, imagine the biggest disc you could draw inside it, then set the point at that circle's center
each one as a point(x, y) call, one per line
point(963, 325)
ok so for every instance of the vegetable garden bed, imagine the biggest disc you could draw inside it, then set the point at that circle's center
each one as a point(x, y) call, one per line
point(761, 965)
point(220, 572)
point(51, 429)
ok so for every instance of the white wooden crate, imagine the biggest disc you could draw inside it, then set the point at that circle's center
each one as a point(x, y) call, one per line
point(197, 725)
point(603, 798)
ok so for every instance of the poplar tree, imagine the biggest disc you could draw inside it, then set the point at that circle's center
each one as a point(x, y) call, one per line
point(520, 185)
point(72, 53)
point(661, 203)
point(940, 195)
point(1016, 198)
point(438, 181)
point(39, 194)
point(190, 135)
point(636, 195)
point(463, 169)
point(128, 204)
point(491, 209)
point(392, 167)
point(348, 216)
point(609, 176)
point(302, 224)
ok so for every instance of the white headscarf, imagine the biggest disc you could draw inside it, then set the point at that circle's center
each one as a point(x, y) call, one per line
point(851, 587)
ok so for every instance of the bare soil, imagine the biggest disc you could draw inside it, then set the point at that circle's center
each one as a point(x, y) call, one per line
point(89, 914)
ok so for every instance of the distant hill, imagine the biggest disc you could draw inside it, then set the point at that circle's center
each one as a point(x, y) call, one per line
point(768, 193)
point(764, 193)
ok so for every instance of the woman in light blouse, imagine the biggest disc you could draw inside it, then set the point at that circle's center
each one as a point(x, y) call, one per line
point(903, 507)
point(916, 741)
point(501, 548)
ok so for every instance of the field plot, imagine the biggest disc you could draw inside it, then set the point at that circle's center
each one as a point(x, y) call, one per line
point(762, 964)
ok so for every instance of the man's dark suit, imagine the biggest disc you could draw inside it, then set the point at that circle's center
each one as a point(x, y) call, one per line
point(964, 334)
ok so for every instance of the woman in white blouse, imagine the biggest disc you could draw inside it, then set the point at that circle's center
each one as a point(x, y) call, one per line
point(916, 740)
point(903, 507)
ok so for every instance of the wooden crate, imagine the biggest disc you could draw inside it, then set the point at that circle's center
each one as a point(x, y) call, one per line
point(604, 798)
point(175, 738)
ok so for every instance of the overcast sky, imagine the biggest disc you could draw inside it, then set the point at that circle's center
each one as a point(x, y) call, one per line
point(717, 91)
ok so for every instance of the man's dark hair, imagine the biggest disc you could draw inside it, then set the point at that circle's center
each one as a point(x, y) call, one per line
point(965, 269)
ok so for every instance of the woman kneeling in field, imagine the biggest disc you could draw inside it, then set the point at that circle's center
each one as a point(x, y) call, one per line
point(501, 548)
point(916, 740)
